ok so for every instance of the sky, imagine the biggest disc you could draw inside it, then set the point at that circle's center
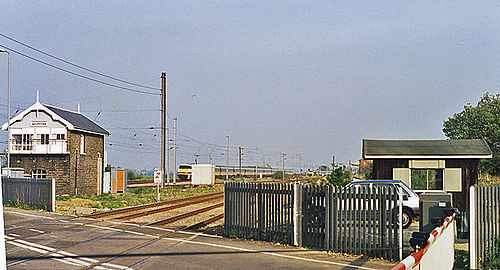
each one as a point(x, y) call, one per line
point(307, 78)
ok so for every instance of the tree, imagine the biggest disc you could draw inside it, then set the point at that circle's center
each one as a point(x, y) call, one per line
point(130, 175)
point(479, 122)
point(323, 168)
point(339, 176)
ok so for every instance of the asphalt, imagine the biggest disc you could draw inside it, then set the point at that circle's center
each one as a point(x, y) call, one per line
point(41, 240)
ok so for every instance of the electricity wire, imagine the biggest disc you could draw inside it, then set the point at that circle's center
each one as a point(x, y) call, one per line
point(78, 75)
point(76, 65)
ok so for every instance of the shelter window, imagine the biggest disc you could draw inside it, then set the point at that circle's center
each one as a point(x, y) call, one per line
point(427, 179)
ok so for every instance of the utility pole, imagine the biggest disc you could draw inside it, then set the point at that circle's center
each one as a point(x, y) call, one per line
point(196, 158)
point(284, 157)
point(209, 155)
point(163, 125)
point(256, 159)
point(300, 163)
point(333, 162)
point(296, 161)
point(227, 158)
point(239, 154)
point(175, 150)
point(168, 157)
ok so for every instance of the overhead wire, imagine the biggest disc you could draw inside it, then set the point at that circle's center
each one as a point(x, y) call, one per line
point(76, 65)
point(76, 74)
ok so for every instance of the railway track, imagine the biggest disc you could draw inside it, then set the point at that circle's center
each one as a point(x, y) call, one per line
point(130, 213)
point(153, 205)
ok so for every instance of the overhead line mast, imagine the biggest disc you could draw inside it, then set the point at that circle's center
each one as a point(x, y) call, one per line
point(163, 124)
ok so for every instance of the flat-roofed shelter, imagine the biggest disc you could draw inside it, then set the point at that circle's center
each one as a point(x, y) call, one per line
point(429, 165)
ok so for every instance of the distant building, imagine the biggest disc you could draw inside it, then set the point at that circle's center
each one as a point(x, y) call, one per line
point(49, 142)
point(429, 165)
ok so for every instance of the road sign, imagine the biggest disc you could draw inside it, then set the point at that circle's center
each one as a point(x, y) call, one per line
point(158, 175)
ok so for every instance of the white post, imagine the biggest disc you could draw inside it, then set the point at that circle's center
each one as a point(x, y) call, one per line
point(3, 264)
point(296, 214)
point(400, 222)
point(472, 228)
point(53, 201)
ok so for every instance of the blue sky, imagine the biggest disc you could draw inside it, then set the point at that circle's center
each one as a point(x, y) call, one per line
point(302, 77)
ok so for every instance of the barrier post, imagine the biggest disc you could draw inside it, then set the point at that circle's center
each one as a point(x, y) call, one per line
point(400, 223)
point(296, 215)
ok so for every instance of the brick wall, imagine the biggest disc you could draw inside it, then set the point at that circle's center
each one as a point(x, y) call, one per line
point(84, 166)
point(64, 167)
point(57, 167)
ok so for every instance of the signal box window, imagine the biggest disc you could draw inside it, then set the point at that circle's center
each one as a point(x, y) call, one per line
point(39, 174)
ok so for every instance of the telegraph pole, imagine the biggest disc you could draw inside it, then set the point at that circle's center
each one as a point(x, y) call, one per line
point(239, 150)
point(300, 163)
point(175, 150)
point(284, 157)
point(163, 120)
point(256, 159)
point(227, 158)
point(333, 162)
point(168, 157)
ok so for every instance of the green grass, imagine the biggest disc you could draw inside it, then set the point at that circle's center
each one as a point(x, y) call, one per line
point(138, 196)
point(21, 206)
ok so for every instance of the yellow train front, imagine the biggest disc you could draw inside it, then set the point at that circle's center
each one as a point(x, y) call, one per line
point(184, 172)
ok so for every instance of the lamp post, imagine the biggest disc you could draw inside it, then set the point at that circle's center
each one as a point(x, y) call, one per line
point(3, 259)
point(8, 113)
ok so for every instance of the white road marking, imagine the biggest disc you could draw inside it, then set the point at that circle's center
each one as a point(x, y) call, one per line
point(29, 215)
point(270, 253)
point(81, 261)
point(213, 245)
point(38, 231)
point(15, 235)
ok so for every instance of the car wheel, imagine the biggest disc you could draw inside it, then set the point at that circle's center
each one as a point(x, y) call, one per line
point(407, 218)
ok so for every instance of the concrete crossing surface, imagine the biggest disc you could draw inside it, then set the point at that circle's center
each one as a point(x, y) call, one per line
point(40, 240)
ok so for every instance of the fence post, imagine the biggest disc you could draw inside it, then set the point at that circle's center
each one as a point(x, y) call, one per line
point(327, 218)
point(400, 223)
point(297, 215)
point(53, 195)
point(472, 228)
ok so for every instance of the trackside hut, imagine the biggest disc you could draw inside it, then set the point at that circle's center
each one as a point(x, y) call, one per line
point(429, 165)
point(50, 142)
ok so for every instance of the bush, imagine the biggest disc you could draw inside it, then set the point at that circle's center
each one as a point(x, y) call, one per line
point(339, 177)
point(278, 175)
point(491, 259)
point(131, 175)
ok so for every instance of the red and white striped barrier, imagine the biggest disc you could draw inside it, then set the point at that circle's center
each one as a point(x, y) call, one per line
point(415, 258)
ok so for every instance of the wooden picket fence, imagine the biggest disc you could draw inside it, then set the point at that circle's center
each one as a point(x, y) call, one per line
point(349, 220)
point(33, 192)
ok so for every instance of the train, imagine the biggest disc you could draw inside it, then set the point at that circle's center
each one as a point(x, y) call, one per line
point(184, 171)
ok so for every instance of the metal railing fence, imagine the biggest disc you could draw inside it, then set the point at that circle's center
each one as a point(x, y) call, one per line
point(349, 220)
point(259, 211)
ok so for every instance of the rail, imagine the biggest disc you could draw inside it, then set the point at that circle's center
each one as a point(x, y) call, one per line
point(150, 205)
point(436, 254)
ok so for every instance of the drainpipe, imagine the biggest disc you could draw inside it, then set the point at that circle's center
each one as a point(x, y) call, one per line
point(76, 171)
